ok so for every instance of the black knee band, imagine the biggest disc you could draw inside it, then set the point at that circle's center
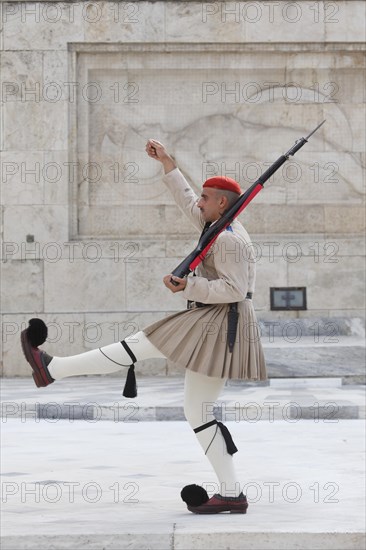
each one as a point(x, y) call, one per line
point(230, 445)
point(129, 351)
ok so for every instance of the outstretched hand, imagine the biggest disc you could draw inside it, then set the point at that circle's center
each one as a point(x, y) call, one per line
point(173, 288)
point(156, 150)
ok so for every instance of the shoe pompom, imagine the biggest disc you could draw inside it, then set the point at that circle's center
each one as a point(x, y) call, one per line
point(194, 495)
point(37, 332)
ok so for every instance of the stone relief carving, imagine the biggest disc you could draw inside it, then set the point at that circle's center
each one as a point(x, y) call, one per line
point(239, 139)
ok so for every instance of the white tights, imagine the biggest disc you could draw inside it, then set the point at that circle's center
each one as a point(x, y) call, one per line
point(104, 360)
point(200, 394)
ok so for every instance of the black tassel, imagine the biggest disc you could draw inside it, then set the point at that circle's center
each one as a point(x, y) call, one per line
point(130, 389)
point(230, 445)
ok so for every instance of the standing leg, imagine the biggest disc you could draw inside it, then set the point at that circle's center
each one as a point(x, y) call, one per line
point(200, 394)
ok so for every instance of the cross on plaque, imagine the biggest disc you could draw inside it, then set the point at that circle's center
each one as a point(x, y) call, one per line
point(288, 297)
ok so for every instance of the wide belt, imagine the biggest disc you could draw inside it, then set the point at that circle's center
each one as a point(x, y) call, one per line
point(192, 304)
point(233, 317)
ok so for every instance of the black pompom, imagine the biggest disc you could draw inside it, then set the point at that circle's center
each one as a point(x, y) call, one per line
point(37, 332)
point(194, 495)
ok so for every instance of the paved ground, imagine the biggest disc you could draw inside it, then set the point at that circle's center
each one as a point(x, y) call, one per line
point(161, 398)
point(323, 356)
point(94, 484)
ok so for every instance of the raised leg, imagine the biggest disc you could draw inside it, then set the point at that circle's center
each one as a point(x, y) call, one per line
point(111, 358)
point(104, 360)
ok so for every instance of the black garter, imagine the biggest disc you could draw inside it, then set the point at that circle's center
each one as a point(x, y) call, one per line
point(230, 445)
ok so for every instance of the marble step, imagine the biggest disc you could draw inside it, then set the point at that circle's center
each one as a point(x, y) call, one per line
point(189, 538)
point(345, 360)
point(94, 399)
point(328, 329)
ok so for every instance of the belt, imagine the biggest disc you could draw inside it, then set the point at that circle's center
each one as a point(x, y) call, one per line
point(233, 317)
point(192, 304)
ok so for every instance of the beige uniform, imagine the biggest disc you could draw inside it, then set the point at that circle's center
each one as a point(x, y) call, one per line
point(197, 338)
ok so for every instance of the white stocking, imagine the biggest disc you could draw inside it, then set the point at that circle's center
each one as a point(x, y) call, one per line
point(104, 360)
point(200, 394)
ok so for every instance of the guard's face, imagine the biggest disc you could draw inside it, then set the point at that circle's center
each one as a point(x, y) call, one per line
point(210, 205)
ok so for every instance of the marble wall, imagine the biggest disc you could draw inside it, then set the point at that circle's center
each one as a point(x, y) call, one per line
point(88, 228)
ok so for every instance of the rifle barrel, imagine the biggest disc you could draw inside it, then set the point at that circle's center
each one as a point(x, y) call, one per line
point(206, 241)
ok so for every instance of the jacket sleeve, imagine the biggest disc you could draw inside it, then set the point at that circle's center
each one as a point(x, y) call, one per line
point(184, 196)
point(232, 270)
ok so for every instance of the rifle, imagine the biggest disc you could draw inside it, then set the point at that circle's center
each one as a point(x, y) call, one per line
point(206, 241)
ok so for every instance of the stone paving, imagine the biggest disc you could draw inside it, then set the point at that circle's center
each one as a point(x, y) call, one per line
point(115, 484)
point(161, 398)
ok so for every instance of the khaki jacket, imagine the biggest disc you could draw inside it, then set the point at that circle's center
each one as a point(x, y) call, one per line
point(228, 271)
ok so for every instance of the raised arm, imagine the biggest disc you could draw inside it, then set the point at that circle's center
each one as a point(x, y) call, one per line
point(182, 192)
point(157, 151)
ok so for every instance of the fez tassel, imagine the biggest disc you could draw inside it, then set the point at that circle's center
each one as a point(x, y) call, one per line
point(206, 241)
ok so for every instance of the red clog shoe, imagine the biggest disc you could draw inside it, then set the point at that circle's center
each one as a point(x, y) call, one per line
point(31, 338)
point(198, 501)
point(218, 503)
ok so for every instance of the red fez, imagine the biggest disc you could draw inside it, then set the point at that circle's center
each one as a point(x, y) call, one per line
point(222, 182)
